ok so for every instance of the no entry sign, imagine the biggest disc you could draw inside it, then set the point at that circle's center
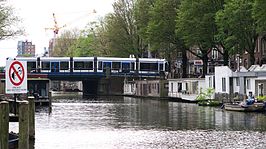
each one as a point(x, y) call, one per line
point(16, 77)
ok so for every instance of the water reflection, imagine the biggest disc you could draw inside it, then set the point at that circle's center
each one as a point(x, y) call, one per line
point(127, 112)
point(125, 122)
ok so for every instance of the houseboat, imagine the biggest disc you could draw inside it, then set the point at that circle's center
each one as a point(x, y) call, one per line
point(186, 88)
point(146, 88)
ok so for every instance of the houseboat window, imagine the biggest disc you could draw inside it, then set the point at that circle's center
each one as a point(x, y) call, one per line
point(45, 65)
point(213, 81)
point(158, 88)
point(248, 83)
point(31, 66)
point(179, 87)
point(261, 89)
point(64, 65)
point(100, 65)
point(223, 85)
point(148, 66)
point(83, 65)
point(237, 81)
point(210, 81)
point(116, 65)
point(172, 87)
point(194, 88)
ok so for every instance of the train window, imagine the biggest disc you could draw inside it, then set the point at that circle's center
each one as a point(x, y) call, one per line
point(83, 65)
point(125, 67)
point(31, 66)
point(116, 65)
point(45, 65)
point(64, 65)
point(132, 66)
point(100, 65)
point(161, 67)
point(148, 66)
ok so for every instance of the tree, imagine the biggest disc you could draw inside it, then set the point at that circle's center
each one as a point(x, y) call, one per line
point(160, 32)
point(121, 31)
point(142, 18)
point(84, 46)
point(64, 43)
point(237, 27)
point(8, 21)
point(196, 25)
point(259, 14)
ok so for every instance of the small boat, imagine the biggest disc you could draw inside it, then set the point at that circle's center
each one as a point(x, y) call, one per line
point(256, 107)
point(13, 140)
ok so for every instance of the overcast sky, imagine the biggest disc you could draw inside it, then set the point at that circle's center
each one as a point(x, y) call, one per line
point(36, 15)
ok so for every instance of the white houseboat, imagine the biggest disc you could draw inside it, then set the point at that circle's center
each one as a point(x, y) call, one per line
point(186, 88)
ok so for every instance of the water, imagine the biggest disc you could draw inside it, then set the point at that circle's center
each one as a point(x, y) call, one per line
point(124, 122)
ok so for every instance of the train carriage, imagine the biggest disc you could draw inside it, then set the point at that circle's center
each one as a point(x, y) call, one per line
point(55, 64)
point(151, 65)
point(116, 65)
point(83, 64)
point(142, 66)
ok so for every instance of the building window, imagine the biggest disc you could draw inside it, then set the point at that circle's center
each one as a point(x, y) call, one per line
point(237, 81)
point(223, 84)
point(214, 53)
point(248, 83)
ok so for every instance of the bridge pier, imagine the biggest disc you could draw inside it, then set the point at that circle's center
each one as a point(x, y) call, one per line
point(90, 87)
point(111, 86)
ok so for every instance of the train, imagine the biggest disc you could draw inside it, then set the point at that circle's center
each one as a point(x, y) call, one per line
point(94, 65)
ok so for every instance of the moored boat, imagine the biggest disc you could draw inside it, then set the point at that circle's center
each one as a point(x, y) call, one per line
point(13, 140)
point(256, 107)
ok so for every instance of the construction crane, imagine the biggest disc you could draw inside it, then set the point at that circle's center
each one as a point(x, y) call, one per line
point(56, 28)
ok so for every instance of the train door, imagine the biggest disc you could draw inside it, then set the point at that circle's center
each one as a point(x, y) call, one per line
point(107, 66)
point(54, 66)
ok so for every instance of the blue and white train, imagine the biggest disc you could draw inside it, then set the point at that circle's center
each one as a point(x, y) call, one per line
point(94, 65)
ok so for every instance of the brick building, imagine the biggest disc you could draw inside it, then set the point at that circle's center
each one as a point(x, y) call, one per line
point(25, 48)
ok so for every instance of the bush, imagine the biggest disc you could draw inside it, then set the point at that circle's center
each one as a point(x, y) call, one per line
point(261, 98)
point(207, 94)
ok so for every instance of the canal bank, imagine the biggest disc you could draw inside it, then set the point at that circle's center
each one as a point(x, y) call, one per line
point(125, 122)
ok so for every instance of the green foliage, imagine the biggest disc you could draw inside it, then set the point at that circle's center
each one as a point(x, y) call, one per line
point(161, 27)
point(10, 24)
point(259, 14)
point(84, 46)
point(195, 23)
point(2, 69)
point(236, 26)
point(261, 98)
point(205, 95)
point(204, 98)
point(120, 30)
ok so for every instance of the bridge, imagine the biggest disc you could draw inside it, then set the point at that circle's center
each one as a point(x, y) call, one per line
point(99, 75)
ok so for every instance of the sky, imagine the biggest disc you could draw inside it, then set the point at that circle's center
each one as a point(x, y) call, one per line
point(36, 15)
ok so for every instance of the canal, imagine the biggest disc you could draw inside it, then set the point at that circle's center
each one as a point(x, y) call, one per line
point(125, 122)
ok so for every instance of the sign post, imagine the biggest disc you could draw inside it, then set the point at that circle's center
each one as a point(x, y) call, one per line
point(16, 77)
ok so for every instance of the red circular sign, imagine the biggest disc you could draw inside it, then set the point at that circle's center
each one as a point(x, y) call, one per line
point(16, 70)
